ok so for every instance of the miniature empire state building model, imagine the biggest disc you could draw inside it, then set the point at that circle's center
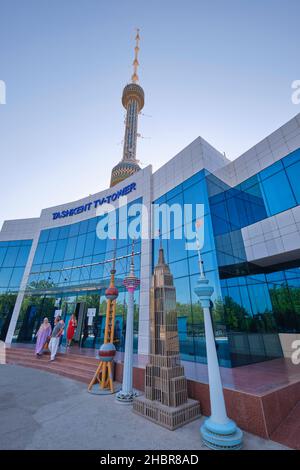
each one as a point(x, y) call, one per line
point(165, 401)
point(133, 102)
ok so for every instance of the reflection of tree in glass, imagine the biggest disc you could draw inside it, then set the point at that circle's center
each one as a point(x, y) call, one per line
point(286, 307)
point(7, 303)
point(195, 319)
point(284, 316)
point(238, 319)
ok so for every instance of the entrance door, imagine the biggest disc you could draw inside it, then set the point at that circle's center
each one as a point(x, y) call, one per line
point(91, 330)
point(80, 312)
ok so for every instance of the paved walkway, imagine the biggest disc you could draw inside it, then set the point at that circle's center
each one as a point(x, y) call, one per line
point(39, 410)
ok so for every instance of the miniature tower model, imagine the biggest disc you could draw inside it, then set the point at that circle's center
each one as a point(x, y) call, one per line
point(131, 282)
point(165, 401)
point(107, 351)
point(218, 431)
point(133, 102)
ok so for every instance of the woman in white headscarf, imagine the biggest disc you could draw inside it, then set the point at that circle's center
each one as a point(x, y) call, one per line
point(42, 335)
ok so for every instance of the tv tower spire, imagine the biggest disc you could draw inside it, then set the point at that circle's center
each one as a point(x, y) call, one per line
point(133, 102)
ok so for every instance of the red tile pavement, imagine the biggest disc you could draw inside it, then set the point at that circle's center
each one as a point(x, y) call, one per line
point(256, 379)
point(288, 433)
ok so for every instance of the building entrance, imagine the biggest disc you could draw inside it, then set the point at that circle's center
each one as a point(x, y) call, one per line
point(89, 308)
point(90, 322)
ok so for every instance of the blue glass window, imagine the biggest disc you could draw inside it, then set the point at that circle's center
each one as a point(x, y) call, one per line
point(291, 158)
point(176, 246)
point(92, 224)
point(267, 193)
point(49, 252)
point(292, 273)
point(197, 194)
point(22, 256)
point(220, 218)
point(209, 260)
point(60, 250)
point(44, 236)
point(271, 170)
point(80, 246)
point(278, 193)
point(64, 232)
point(193, 180)
point(54, 233)
point(2, 253)
point(74, 229)
point(97, 272)
point(70, 248)
point(5, 275)
point(174, 192)
point(83, 228)
point(10, 256)
point(39, 253)
point(100, 246)
point(260, 298)
point(89, 244)
point(293, 173)
point(16, 277)
point(179, 268)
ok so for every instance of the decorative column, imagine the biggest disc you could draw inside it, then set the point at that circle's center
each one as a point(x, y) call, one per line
point(218, 431)
point(126, 394)
point(104, 374)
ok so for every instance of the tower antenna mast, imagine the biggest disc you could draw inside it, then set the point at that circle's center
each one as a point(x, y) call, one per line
point(135, 77)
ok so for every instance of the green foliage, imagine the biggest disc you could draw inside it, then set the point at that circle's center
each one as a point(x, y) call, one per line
point(286, 307)
point(238, 319)
point(7, 303)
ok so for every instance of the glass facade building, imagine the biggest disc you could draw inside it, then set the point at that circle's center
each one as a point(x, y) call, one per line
point(249, 310)
point(251, 253)
point(71, 267)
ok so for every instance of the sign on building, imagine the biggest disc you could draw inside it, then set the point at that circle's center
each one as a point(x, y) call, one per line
point(91, 313)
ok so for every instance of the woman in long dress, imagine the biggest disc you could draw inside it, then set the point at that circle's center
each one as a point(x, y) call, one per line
point(42, 335)
point(71, 329)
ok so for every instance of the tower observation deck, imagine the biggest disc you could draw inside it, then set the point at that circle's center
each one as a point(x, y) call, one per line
point(133, 102)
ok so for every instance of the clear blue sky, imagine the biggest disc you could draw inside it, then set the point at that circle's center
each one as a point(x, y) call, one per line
point(215, 68)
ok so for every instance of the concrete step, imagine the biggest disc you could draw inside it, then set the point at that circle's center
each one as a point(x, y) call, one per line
point(71, 357)
point(31, 352)
point(77, 368)
point(76, 357)
point(288, 432)
point(59, 363)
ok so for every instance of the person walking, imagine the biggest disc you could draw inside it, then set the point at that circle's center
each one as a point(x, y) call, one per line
point(55, 337)
point(72, 325)
point(43, 334)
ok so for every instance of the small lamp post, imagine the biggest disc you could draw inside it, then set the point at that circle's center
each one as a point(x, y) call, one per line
point(126, 394)
point(218, 431)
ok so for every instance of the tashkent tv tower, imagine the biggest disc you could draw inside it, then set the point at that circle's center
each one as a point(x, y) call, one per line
point(133, 102)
